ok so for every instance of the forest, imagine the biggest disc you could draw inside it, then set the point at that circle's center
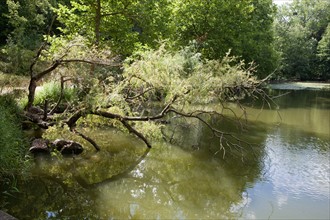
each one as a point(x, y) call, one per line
point(137, 65)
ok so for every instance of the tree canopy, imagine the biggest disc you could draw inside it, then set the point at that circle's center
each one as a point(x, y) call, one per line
point(301, 36)
point(217, 26)
point(244, 27)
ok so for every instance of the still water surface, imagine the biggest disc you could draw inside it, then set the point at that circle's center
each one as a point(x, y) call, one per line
point(285, 174)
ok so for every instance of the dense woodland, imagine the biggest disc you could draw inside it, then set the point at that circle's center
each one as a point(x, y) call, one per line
point(291, 39)
point(134, 64)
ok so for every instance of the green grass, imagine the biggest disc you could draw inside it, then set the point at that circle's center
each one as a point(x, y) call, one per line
point(51, 92)
point(12, 143)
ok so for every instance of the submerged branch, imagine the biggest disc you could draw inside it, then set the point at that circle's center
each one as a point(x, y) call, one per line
point(138, 134)
point(91, 141)
point(72, 124)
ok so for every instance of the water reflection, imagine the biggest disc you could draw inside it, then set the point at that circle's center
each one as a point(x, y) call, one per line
point(296, 184)
point(301, 168)
point(174, 186)
point(284, 174)
point(304, 111)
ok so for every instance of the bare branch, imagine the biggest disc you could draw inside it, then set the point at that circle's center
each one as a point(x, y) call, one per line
point(42, 47)
point(60, 98)
point(91, 141)
point(113, 13)
point(138, 134)
point(75, 117)
point(215, 131)
point(72, 124)
point(140, 94)
point(89, 62)
point(40, 75)
point(130, 118)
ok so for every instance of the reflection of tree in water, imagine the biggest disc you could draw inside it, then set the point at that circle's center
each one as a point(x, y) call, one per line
point(239, 165)
point(66, 187)
point(172, 183)
point(191, 181)
point(41, 198)
point(301, 98)
point(244, 148)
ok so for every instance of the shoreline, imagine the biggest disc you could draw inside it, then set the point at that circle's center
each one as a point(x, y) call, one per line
point(299, 85)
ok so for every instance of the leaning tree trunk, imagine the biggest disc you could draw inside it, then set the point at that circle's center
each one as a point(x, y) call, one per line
point(35, 78)
point(32, 91)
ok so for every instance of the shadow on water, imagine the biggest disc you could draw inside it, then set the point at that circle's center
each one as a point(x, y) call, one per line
point(296, 99)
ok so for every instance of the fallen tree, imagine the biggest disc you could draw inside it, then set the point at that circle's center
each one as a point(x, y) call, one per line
point(148, 90)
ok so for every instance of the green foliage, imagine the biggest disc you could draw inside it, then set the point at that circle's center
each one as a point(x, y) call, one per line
point(201, 73)
point(17, 58)
point(51, 91)
point(121, 24)
point(323, 54)
point(6, 28)
point(13, 145)
point(28, 21)
point(300, 28)
point(152, 79)
point(245, 27)
point(186, 75)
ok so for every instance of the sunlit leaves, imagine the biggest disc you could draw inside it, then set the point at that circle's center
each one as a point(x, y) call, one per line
point(121, 24)
point(202, 82)
point(218, 26)
point(323, 50)
point(300, 27)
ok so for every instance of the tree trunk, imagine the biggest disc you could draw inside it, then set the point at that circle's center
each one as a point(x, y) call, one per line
point(32, 90)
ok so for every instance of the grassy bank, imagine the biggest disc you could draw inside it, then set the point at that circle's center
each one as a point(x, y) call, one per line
point(13, 145)
point(13, 148)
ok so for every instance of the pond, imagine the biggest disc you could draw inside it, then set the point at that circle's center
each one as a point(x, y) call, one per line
point(285, 173)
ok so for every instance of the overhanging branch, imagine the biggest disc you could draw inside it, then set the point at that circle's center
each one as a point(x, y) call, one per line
point(220, 134)
point(138, 134)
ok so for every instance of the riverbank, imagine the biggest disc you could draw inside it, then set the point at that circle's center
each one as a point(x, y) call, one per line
point(300, 86)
